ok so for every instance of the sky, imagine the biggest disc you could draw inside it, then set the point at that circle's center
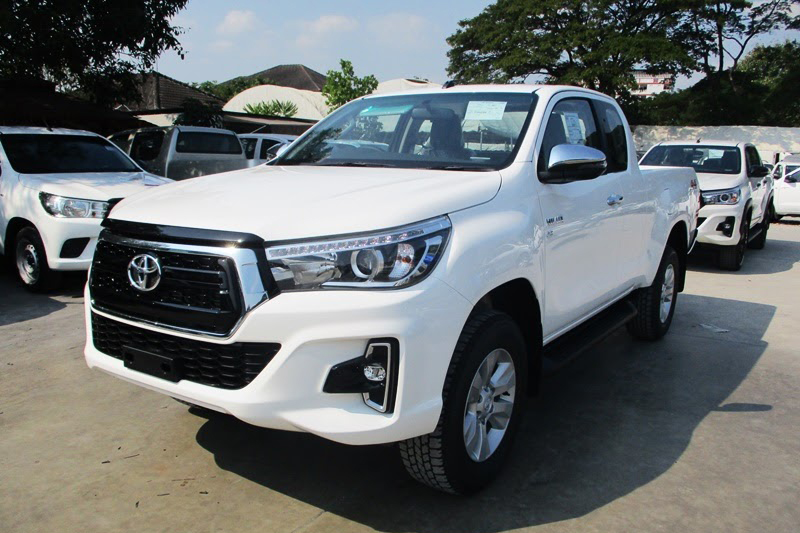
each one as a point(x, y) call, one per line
point(240, 37)
point(232, 38)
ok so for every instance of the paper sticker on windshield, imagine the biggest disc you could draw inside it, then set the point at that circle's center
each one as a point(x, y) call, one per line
point(574, 129)
point(483, 110)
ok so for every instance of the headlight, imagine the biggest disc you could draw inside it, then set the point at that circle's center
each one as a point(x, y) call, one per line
point(391, 258)
point(726, 197)
point(62, 207)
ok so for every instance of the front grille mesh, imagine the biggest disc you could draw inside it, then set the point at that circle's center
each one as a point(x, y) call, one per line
point(226, 366)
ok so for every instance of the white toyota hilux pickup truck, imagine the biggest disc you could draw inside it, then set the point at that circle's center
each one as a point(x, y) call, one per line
point(406, 272)
point(736, 192)
point(55, 187)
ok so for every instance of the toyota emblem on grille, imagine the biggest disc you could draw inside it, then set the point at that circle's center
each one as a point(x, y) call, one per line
point(144, 272)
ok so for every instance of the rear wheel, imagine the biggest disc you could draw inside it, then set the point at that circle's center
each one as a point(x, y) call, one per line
point(31, 262)
point(483, 395)
point(732, 257)
point(656, 304)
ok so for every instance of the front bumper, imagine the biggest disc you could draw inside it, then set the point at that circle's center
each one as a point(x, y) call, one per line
point(317, 330)
point(56, 231)
point(711, 231)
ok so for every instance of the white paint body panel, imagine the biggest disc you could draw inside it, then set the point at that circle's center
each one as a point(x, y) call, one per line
point(787, 193)
point(499, 233)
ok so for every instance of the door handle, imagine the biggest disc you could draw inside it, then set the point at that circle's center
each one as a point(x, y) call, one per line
point(615, 199)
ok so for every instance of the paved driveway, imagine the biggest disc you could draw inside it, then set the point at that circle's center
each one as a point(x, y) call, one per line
point(699, 432)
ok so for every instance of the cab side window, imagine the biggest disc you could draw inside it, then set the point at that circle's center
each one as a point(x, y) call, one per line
point(570, 122)
point(751, 157)
point(616, 148)
point(147, 145)
point(266, 144)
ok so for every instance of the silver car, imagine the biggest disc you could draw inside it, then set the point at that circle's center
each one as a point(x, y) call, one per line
point(182, 152)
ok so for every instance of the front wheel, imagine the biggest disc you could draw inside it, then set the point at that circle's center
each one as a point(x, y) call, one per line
point(732, 257)
point(31, 262)
point(482, 403)
point(655, 304)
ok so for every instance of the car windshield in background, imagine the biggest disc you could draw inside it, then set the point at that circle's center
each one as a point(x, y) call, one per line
point(199, 142)
point(708, 159)
point(57, 154)
point(449, 131)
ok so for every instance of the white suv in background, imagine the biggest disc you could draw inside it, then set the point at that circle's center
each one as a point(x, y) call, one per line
point(55, 187)
point(736, 193)
point(786, 176)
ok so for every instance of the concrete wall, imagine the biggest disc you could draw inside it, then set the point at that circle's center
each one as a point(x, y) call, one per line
point(769, 141)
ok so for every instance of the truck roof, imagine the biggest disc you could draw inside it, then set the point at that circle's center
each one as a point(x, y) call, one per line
point(542, 89)
point(44, 131)
point(703, 142)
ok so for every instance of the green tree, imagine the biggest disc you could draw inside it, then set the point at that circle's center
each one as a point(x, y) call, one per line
point(594, 43)
point(273, 108)
point(197, 113)
point(344, 86)
point(776, 70)
point(93, 47)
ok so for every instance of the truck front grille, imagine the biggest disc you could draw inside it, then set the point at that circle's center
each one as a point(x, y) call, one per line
point(197, 292)
point(226, 366)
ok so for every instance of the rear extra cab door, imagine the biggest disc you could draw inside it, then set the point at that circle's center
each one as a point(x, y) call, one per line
point(760, 186)
point(583, 222)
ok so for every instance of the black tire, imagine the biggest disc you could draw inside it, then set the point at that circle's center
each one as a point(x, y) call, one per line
point(440, 459)
point(732, 257)
point(649, 324)
point(30, 260)
point(759, 241)
point(774, 217)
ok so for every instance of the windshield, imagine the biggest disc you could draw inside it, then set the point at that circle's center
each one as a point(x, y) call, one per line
point(56, 154)
point(708, 159)
point(450, 131)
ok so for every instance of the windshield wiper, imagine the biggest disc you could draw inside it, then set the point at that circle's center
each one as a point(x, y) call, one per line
point(459, 167)
point(355, 164)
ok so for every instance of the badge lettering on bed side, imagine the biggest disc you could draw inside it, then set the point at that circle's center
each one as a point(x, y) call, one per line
point(555, 220)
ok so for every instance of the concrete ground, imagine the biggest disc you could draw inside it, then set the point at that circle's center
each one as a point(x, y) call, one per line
point(698, 432)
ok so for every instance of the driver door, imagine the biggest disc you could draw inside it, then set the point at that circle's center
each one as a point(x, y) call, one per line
point(760, 186)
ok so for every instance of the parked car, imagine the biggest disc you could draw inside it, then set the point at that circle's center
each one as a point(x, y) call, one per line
point(787, 190)
point(257, 146)
point(182, 152)
point(736, 190)
point(55, 187)
point(405, 272)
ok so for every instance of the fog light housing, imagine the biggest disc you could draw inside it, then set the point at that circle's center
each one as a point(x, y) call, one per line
point(726, 227)
point(373, 375)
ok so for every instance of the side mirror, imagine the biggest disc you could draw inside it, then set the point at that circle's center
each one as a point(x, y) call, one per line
point(573, 162)
point(282, 149)
point(758, 171)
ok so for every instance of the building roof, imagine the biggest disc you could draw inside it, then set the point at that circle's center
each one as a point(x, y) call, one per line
point(294, 76)
point(158, 91)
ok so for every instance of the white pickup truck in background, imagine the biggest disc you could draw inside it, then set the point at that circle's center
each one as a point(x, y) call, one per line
point(55, 187)
point(736, 192)
point(406, 271)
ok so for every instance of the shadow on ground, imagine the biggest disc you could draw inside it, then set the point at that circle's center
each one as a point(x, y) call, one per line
point(777, 256)
point(19, 305)
point(611, 422)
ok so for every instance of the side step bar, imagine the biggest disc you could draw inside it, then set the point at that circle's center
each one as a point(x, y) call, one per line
point(567, 347)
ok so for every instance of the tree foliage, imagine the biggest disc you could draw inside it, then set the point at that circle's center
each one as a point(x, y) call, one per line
point(594, 44)
point(228, 89)
point(94, 47)
point(344, 86)
point(197, 113)
point(273, 108)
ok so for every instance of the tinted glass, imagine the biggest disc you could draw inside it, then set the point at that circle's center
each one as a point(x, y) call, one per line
point(266, 144)
point(449, 131)
point(147, 145)
point(249, 145)
point(791, 169)
point(197, 142)
point(571, 122)
point(709, 159)
point(616, 148)
point(53, 154)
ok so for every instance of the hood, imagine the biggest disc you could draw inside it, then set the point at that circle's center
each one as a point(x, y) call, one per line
point(717, 182)
point(293, 202)
point(93, 186)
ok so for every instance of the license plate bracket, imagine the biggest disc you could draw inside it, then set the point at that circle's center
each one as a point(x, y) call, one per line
point(153, 364)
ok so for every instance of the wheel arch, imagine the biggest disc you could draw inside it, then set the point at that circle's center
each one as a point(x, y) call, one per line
point(10, 237)
point(517, 298)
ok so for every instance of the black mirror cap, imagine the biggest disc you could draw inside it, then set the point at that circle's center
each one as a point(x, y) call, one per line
point(758, 171)
point(573, 162)
point(790, 179)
